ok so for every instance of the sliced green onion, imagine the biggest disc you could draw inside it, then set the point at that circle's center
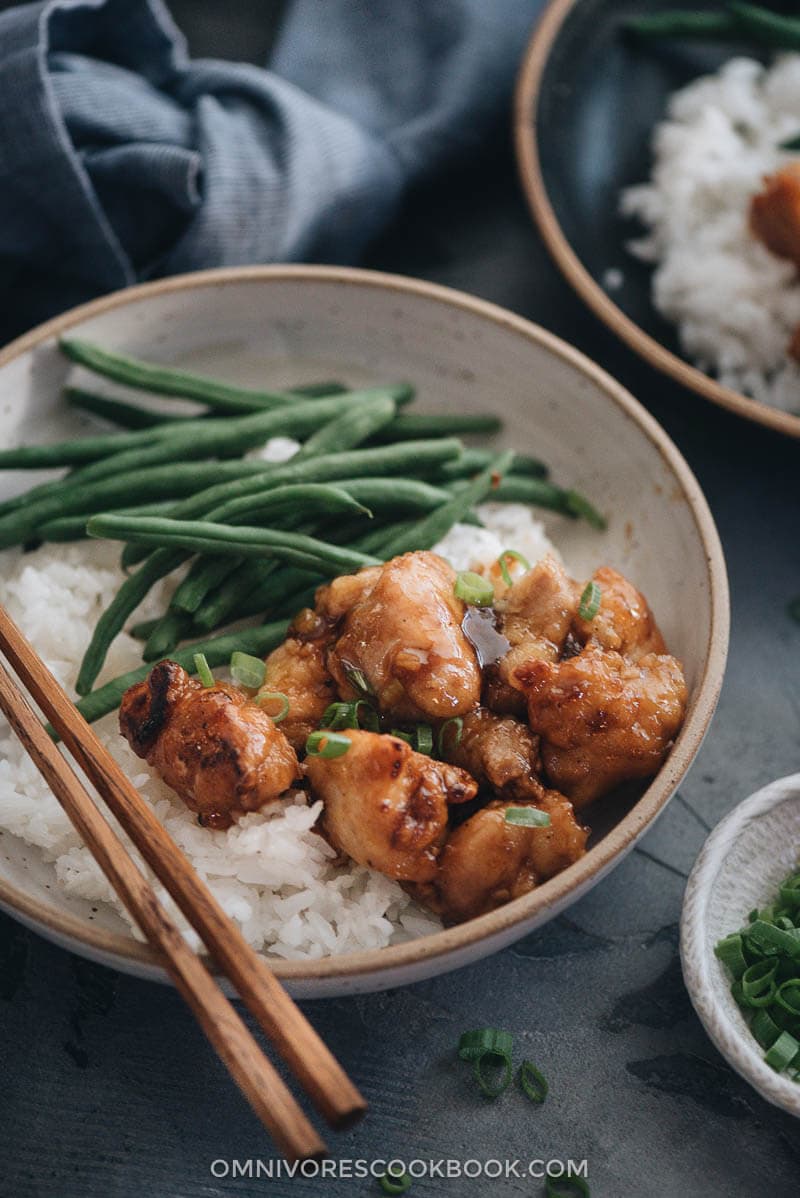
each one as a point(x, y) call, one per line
point(788, 996)
point(339, 715)
point(783, 1052)
point(247, 671)
point(576, 1187)
point(517, 557)
point(394, 1182)
point(764, 1028)
point(474, 589)
point(327, 744)
point(492, 1060)
point(423, 739)
point(457, 724)
point(406, 736)
point(474, 1044)
point(527, 817)
point(773, 941)
point(265, 697)
point(790, 891)
point(370, 719)
point(358, 681)
point(579, 505)
point(203, 670)
point(730, 952)
point(590, 601)
point(532, 1081)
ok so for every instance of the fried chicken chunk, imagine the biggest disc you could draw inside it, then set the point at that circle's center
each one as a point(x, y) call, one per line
point(535, 615)
point(500, 753)
point(624, 621)
point(487, 862)
point(297, 669)
point(603, 719)
point(775, 213)
point(216, 748)
point(400, 627)
point(385, 805)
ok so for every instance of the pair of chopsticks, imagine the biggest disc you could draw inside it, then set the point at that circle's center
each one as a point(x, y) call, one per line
point(291, 1034)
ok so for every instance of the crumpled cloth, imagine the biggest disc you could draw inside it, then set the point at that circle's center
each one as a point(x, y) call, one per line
point(122, 159)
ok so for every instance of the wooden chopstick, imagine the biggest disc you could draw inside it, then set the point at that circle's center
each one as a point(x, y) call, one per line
point(315, 1067)
point(252, 1071)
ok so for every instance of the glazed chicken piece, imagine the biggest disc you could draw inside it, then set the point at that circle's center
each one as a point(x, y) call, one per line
point(487, 862)
point(775, 213)
point(603, 719)
point(624, 621)
point(400, 627)
point(385, 805)
point(297, 669)
point(500, 753)
point(535, 617)
point(215, 747)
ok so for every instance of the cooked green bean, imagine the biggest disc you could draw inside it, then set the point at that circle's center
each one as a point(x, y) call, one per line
point(166, 380)
point(217, 651)
point(538, 493)
point(425, 533)
point(171, 629)
point(410, 425)
point(345, 430)
point(232, 437)
point(74, 452)
point(472, 460)
point(131, 416)
point(73, 528)
point(144, 628)
point(205, 536)
point(738, 23)
point(172, 481)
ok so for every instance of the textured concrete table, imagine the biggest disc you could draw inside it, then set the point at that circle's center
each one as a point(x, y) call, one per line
point(108, 1090)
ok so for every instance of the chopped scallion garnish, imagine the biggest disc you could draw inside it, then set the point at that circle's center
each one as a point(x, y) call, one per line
point(394, 1181)
point(527, 817)
point(203, 669)
point(589, 605)
point(266, 698)
point(517, 557)
point(485, 1039)
point(473, 589)
point(406, 736)
point(423, 737)
point(327, 744)
point(532, 1081)
point(358, 681)
point(783, 1052)
point(247, 671)
point(449, 735)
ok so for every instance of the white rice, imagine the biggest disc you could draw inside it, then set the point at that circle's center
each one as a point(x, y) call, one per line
point(736, 305)
point(271, 872)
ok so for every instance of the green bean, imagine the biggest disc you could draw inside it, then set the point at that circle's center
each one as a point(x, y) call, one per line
point(472, 460)
point(73, 452)
point(173, 481)
point(217, 651)
point(206, 536)
point(739, 22)
point(232, 437)
point(171, 629)
point(73, 528)
point(346, 430)
point(305, 498)
point(538, 493)
point(144, 628)
point(131, 416)
point(425, 533)
point(166, 380)
point(411, 425)
point(245, 593)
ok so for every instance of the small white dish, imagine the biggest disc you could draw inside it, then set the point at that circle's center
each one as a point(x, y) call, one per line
point(740, 867)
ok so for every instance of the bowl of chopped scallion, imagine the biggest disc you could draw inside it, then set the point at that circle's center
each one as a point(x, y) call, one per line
point(740, 940)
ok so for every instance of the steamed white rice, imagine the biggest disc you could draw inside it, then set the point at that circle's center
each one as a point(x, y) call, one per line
point(736, 305)
point(271, 872)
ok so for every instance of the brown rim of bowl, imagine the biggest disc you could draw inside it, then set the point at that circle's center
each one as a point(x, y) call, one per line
point(526, 101)
point(451, 940)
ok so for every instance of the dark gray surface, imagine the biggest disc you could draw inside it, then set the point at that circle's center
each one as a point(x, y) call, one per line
point(108, 1089)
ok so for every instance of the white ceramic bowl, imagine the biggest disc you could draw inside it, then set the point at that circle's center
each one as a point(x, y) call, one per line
point(289, 324)
point(740, 867)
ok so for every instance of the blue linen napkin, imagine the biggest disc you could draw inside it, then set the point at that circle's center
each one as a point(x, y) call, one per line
point(122, 159)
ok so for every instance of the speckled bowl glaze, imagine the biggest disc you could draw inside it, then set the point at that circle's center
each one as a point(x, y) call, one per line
point(740, 867)
point(290, 324)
